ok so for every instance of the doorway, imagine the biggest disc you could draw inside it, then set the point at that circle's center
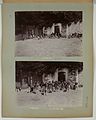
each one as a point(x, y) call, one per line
point(57, 30)
point(61, 76)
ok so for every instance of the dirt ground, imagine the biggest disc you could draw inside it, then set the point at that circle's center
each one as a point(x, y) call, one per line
point(49, 47)
point(71, 98)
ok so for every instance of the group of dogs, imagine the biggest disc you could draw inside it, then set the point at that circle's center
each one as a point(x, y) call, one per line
point(50, 87)
point(53, 35)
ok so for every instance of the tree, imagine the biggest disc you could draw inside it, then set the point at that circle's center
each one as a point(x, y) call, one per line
point(45, 18)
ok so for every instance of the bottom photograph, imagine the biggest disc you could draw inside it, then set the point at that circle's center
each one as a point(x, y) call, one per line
point(49, 83)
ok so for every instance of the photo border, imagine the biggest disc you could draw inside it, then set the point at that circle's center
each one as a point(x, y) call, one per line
point(8, 61)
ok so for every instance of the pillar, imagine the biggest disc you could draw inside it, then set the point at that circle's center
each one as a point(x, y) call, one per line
point(77, 76)
point(23, 82)
point(66, 74)
point(53, 30)
point(60, 27)
point(43, 31)
point(67, 32)
point(56, 75)
point(43, 77)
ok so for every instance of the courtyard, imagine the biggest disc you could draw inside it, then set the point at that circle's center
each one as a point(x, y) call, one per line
point(49, 47)
point(54, 93)
point(71, 98)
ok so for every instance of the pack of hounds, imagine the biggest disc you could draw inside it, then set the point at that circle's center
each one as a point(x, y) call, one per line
point(49, 87)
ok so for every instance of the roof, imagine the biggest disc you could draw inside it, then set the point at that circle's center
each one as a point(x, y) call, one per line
point(47, 67)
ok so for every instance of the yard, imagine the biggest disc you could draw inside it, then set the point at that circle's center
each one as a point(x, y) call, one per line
point(71, 98)
point(49, 47)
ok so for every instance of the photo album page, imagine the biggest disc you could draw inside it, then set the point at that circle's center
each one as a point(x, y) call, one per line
point(47, 58)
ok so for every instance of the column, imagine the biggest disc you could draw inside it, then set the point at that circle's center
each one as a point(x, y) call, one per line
point(77, 76)
point(66, 74)
point(43, 77)
point(53, 28)
point(60, 27)
point(67, 32)
point(56, 75)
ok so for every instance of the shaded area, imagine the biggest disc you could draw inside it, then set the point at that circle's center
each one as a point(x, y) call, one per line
point(25, 69)
point(47, 18)
point(27, 20)
point(48, 67)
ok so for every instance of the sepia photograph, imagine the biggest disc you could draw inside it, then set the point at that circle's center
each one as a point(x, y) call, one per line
point(48, 33)
point(47, 60)
point(45, 83)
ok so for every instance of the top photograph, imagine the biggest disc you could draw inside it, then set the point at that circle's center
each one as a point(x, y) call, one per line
point(48, 33)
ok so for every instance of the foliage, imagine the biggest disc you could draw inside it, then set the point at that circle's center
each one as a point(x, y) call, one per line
point(47, 18)
point(47, 67)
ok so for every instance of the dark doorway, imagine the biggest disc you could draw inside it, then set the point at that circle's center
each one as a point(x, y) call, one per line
point(61, 76)
point(57, 31)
